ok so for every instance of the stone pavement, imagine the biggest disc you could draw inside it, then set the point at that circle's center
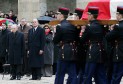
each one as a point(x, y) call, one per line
point(25, 80)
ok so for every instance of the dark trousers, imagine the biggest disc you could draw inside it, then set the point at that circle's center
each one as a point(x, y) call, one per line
point(36, 73)
point(64, 67)
point(54, 68)
point(25, 68)
point(2, 61)
point(94, 70)
point(117, 73)
point(81, 72)
point(16, 70)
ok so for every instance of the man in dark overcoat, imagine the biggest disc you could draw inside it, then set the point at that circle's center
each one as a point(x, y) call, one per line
point(36, 43)
point(16, 52)
point(3, 44)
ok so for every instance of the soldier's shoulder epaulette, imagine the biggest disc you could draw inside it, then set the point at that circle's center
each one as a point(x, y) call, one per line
point(117, 24)
point(88, 24)
point(58, 24)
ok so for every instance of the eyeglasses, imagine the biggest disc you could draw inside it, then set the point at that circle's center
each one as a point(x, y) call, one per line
point(46, 28)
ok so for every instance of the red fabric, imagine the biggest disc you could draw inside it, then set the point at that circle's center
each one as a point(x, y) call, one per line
point(2, 21)
point(104, 9)
point(79, 9)
point(64, 9)
point(47, 31)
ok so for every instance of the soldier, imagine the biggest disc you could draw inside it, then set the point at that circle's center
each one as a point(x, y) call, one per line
point(94, 33)
point(67, 36)
point(16, 50)
point(81, 48)
point(116, 35)
point(24, 28)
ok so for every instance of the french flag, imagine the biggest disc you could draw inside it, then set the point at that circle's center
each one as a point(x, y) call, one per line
point(107, 9)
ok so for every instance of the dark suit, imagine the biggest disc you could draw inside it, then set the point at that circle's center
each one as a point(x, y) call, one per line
point(36, 42)
point(16, 50)
point(95, 54)
point(116, 36)
point(3, 47)
point(67, 36)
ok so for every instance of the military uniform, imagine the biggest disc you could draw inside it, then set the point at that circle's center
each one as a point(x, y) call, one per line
point(94, 34)
point(81, 50)
point(67, 37)
point(116, 35)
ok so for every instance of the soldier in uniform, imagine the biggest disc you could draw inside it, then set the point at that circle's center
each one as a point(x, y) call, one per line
point(116, 35)
point(81, 48)
point(94, 33)
point(67, 36)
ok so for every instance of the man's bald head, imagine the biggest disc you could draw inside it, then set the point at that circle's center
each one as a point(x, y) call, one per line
point(35, 23)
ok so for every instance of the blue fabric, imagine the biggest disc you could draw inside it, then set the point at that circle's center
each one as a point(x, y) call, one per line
point(94, 70)
point(64, 67)
point(117, 73)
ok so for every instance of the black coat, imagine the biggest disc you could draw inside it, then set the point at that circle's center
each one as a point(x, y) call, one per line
point(16, 48)
point(3, 42)
point(116, 36)
point(66, 35)
point(94, 34)
point(36, 42)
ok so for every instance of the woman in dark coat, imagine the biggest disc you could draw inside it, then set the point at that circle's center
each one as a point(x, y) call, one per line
point(48, 53)
point(16, 52)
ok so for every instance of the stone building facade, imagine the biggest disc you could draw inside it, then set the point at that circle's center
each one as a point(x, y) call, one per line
point(34, 8)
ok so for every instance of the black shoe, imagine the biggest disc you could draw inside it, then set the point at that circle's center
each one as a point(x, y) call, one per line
point(38, 78)
point(28, 75)
point(12, 78)
point(18, 77)
point(32, 79)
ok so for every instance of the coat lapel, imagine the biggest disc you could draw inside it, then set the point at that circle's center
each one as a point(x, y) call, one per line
point(17, 35)
point(36, 32)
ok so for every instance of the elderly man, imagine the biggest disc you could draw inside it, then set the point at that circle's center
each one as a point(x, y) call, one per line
point(3, 38)
point(16, 52)
point(24, 28)
point(36, 42)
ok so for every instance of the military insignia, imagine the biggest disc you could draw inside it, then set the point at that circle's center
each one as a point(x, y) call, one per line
point(117, 24)
point(88, 24)
point(78, 27)
point(58, 24)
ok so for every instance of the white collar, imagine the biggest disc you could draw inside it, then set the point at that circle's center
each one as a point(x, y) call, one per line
point(35, 28)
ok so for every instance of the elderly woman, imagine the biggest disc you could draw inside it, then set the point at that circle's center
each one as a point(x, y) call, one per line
point(48, 53)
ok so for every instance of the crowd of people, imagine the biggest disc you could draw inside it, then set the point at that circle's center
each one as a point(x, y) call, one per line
point(9, 15)
point(82, 52)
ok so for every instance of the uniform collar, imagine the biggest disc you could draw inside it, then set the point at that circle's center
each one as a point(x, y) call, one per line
point(121, 21)
point(63, 20)
point(93, 21)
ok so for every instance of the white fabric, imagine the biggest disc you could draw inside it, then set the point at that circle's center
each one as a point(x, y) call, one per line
point(113, 7)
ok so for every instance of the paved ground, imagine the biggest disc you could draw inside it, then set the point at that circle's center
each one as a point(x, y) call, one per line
point(25, 80)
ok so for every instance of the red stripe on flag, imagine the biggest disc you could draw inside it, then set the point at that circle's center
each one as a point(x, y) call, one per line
point(104, 9)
